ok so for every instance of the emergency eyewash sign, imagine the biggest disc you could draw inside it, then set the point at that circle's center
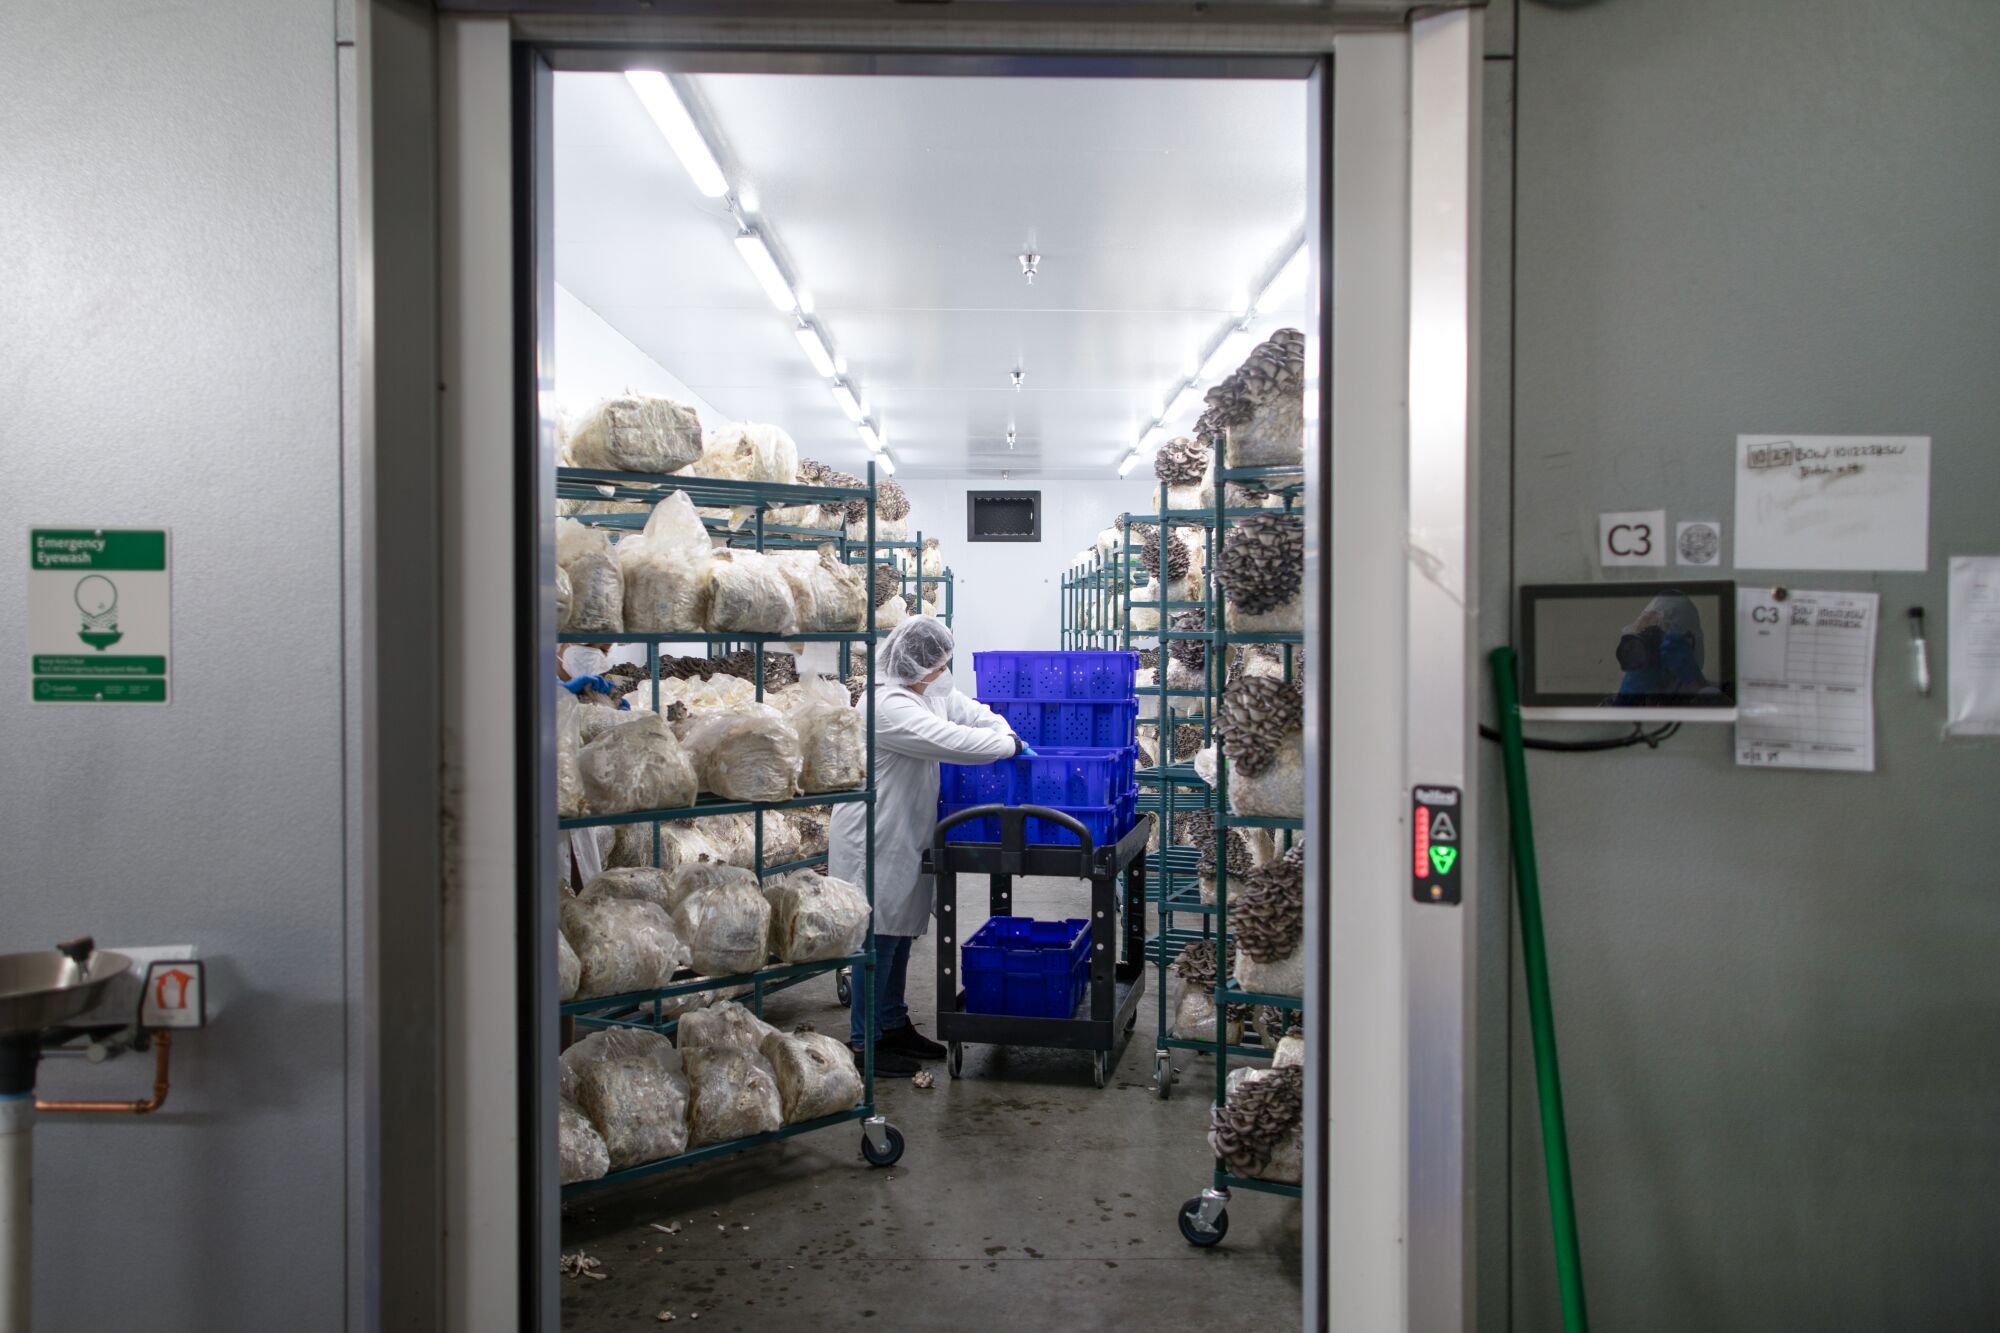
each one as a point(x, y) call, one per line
point(99, 621)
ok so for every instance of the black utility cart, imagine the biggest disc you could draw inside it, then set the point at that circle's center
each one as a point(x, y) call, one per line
point(1117, 957)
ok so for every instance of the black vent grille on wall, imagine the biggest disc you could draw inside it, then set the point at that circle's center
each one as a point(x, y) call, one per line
point(1003, 516)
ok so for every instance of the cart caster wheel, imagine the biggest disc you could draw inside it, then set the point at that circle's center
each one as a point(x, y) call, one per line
point(1192, 1230)
point(1163, 1074)
point(843, 989)
point(887, 1155)
point(955, 1058)
point(1100, 1067)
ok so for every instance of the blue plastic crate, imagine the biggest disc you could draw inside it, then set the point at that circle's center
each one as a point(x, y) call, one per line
point(1106, 823)
point(1058, 775)
point(1106, 724)
point(1031, 969)
point(1055, 675)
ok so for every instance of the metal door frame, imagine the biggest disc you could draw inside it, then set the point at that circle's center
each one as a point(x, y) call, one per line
point(1388, 137)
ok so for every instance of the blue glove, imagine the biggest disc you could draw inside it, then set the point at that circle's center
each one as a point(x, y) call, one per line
point(1027, 752)
point(578, 684)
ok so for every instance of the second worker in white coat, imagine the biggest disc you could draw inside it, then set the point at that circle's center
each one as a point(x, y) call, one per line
point(920, 721)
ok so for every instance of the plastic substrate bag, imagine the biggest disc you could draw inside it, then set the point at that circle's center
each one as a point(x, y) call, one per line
point(667, 571)
point(569, 969)
point(750, 595)
point(815, 917)
point(569, 743)
point(630, 1085)
point(828, 593)
point(727, 928)
point(1280, 790)
point(1287, 976)
point(747, 753)
point(636, 433)
point(622, 944)
point(680, 843)
point(640, 883)
point(597, 592)
point(735, 1095)
point(750, 451)
point(579, 1147)
point(725, 1026)
point(637, 766)
point(816, 1075)
point(833, 737)
point(684, 881)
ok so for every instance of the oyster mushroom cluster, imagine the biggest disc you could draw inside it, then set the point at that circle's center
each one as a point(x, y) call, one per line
point(1275, 371)
point(1183, 460)
point(1257, 714)
point(1263, 563)
point(1267, 915)
point(1259, 1116)
point(887, 582)
point(1197, 828)
point(1146, 538)
point(1190, 653)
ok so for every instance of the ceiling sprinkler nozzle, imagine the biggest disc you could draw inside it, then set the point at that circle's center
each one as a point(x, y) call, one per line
point(1031, 264)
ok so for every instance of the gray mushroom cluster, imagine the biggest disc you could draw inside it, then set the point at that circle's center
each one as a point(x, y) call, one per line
point(1196, 968)
point(1263, 563)
point(891, 501)
point(1146, 538)
point(1197, 829)
point(781, 670)
point(887, 582)
point(1183, 460)
point(1208, 427)
point(1257, 714)
point(1267, 916)
point(1275, 369)
point(1190, 653)
point(1258, 1117)
point(1149, 659)
point(1188, 740)
point(812, 472)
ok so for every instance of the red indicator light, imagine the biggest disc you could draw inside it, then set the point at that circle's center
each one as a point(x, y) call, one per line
point(1423, 823)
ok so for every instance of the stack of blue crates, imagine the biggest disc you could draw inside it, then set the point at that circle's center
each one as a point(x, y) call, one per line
point(1079, 712)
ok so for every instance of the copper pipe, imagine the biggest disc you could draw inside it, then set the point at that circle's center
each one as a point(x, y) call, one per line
point(162, 1046)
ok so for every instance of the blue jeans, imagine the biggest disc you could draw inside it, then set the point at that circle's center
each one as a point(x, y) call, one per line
point(892, 969)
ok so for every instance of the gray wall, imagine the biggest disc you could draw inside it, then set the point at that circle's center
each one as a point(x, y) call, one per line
point(169, 356)
point(1777, 995)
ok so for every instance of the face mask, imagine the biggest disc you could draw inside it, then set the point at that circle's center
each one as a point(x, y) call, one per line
point(943, 684)
point(580, 659)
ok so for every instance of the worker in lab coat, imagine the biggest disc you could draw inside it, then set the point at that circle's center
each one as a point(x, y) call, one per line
point(920, 721)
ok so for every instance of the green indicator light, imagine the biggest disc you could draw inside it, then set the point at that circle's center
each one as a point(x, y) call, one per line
point(1443, 858)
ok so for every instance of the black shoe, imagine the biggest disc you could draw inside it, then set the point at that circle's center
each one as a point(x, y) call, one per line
point(888, 1063)
point(909, 1041)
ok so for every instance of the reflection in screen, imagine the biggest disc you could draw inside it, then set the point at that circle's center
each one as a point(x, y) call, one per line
point(1622, 649)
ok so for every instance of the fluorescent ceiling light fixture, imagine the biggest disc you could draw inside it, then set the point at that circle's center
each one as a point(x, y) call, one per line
point(1185, 403)
point(1149, 438)
point(1287, 284)
point(678, 128)
point(815, 349)
point(1131, 461)
point(765, 269)
point(848, 402)
point(870, 437)
point(888, 463)
point(1228, 354)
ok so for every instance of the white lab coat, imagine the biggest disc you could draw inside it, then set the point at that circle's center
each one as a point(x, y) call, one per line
point(913, 734)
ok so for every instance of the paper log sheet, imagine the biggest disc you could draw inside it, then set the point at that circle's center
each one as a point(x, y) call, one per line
point(1805, 679)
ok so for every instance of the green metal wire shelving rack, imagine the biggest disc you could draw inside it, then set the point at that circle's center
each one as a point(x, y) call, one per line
point(882, 1143)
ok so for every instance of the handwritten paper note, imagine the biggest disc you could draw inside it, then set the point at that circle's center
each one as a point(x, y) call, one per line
point(1805, 679)
point(1974, 652)
point(1833, 501)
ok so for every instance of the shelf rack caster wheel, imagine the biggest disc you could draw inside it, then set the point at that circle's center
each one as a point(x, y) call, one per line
point(1204, 1220)
point(881, 1142)
point(955, 1058)
point(843, 988)
point(1100, 1067)
point(1163, 1073)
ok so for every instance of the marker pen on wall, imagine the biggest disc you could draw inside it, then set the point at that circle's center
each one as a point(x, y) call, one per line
point(1920, 651)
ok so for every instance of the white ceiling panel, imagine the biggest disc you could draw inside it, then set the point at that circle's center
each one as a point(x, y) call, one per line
point(899, 205)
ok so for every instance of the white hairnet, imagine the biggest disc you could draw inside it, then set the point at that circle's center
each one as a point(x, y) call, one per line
point(914, 649)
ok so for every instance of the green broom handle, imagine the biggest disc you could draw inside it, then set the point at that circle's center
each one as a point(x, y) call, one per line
point(1541, 1013)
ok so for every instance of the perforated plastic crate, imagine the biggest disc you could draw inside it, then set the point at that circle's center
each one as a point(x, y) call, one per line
point(1106, 823)
point(1032, 969)
point(1055, 775)
point(1106, 724)
point(1055, 675)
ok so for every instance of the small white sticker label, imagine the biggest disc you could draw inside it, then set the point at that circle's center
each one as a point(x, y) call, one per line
point(173, 997)
point(1632, 537)
point(1698, 542)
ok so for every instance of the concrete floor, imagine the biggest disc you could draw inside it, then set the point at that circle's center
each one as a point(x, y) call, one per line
point(1025, 1197)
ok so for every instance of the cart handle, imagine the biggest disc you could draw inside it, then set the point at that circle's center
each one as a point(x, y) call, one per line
point(1013, 832)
